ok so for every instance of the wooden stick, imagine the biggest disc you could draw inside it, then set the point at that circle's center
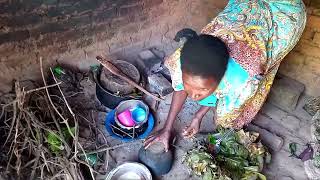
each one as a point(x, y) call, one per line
point(40, 88)
point(114, 70)
point(107, 148)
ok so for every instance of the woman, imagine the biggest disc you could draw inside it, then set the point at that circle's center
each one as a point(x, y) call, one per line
point(230, 67)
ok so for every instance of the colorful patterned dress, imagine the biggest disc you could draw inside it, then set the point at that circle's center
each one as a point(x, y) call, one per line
point(258, 34)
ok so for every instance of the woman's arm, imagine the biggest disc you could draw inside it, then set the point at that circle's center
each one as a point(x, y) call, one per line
point(178, 99)
point(164, 135)
point(202, 111)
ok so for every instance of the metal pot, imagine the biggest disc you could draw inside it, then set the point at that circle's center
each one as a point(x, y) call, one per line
point(156, 159)
point(114, 83)
point(130, 170)
point(106, 97)
point(130, 104)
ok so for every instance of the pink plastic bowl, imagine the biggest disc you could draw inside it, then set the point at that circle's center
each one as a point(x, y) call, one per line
point(125, 118)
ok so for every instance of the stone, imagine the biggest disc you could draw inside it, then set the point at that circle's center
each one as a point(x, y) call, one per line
point(269, 124)
point(285, 93)
point(166, 73)
point(159, 84)
point(291, 123)
point(148, 63)
point(151, 102)
point(273, 111)
point(268, 138)
point(146, 54)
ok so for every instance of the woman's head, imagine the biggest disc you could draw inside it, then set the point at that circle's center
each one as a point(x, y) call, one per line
point(204, 60)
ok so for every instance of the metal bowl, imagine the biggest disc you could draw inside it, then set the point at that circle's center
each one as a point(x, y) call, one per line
point(130, 170)
point(131, 104)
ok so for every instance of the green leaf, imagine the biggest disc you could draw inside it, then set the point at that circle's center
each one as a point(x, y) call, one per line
point(253, 175)
point(316, 161)
point(67, 134)
point(293, 148)
point(252, 168)
point(94, 67)
point(261, 176)
point(54, 142)
point(58, 70)
point(91, 159)
point(212, 139)
point(207, 176)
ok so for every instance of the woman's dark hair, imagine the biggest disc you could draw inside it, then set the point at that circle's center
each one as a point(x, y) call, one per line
point(205, 56)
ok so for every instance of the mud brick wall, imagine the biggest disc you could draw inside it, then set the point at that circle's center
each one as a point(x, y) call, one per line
point(303, 63)
point(75, 31)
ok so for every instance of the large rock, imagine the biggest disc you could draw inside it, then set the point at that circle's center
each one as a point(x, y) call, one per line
point(157, 83)
point(285, 92)
point(149, 63)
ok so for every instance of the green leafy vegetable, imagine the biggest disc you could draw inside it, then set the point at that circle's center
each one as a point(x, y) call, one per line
point(54, 141)
point(212, 139)
point(316, 161)
point(240, 157)
point(293, 149)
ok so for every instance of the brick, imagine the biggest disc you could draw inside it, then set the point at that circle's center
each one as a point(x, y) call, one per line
point(307, 2)
point(313, 22)
point(84, 42)
point(316, 12)
point(14, 36)
point(285, 92)
point(152, 3)
point(105, 15)
point(18, 21)
point(136, 9)
point(307, 49)
point(294, 58)
point(130, 28)
point(312, 64)
point(15, 7)
point(71, 35)
point(315, 3)
point(316, 38)
point(74, 8)
point(308, 33)
point(75, 22)
point(12, 8)
point(50, 2)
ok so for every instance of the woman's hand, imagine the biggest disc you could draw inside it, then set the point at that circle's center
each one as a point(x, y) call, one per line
point(193, 129)
point(163, 136)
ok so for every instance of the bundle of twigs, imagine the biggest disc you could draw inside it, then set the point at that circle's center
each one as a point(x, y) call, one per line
point(28, 117)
